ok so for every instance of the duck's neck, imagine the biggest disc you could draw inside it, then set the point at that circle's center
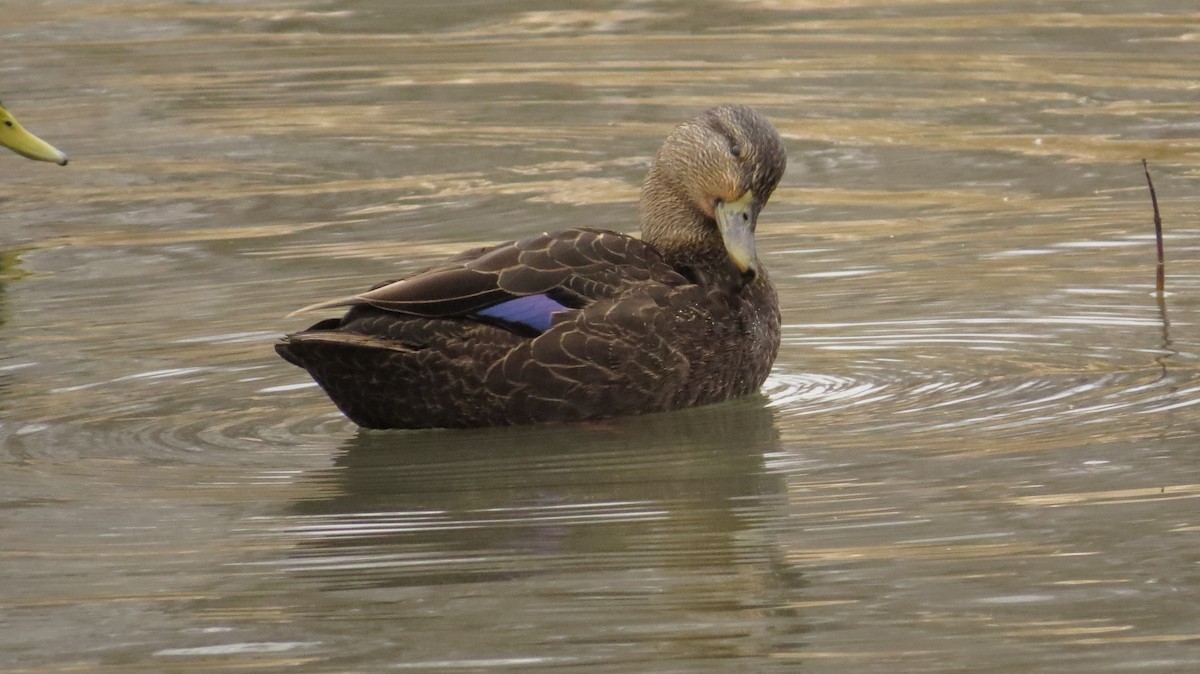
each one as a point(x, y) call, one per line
point(688, 239)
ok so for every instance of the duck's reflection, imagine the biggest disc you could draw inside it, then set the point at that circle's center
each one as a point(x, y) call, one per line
point(662, 524)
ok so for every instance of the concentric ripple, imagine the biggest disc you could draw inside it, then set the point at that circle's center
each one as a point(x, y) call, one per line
point(986, 377)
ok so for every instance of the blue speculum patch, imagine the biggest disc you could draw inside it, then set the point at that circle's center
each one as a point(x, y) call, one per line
point(531, 310)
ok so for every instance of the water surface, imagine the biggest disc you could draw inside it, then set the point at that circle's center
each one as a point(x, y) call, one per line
point(977, 451)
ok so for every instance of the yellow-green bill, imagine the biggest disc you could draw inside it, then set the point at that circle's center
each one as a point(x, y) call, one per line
point(14, 137)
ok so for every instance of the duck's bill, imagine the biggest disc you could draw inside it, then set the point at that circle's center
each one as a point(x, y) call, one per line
point(736, 220)
point(14, 137)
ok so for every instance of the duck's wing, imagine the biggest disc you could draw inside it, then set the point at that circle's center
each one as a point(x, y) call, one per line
point(521, 281)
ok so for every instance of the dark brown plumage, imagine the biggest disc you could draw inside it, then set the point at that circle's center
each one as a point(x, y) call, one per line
point(579, 324)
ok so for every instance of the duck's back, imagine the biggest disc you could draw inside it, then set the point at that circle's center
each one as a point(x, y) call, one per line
point(582, 324)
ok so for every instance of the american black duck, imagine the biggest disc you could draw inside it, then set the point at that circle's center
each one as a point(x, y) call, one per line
point(14, 137)
point(579, 324)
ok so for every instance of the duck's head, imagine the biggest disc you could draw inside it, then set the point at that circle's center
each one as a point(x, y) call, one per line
point(14, 137)
point(707, 184)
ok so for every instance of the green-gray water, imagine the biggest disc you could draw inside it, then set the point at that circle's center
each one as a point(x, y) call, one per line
point(977, 453)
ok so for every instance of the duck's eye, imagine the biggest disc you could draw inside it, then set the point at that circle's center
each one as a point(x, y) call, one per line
point(735, 150)
point(7, 123)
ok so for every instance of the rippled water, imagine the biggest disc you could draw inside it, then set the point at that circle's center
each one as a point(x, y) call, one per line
point(978, 450)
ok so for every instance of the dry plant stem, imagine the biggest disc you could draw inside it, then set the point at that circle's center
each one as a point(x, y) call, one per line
point(1160, 277)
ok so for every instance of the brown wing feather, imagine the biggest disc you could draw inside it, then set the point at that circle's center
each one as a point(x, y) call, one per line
point(580, 264)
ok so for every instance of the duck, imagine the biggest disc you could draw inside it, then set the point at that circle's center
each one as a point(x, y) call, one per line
point(14, 137)
point(581, 324)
